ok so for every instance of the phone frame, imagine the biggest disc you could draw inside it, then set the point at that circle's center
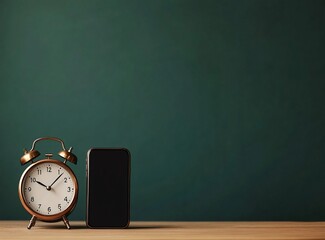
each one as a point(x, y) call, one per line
point(87, 187)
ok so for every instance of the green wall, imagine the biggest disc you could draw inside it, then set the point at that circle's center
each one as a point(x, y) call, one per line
point(221, 103)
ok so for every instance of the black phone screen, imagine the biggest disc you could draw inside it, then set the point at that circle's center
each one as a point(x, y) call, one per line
point(108, 188)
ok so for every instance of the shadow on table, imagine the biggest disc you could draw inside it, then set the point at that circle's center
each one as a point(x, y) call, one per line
point(149, 227)
point(83, 226)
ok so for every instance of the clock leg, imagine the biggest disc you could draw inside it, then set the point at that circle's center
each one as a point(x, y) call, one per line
point(66, 222)
point(31, 222)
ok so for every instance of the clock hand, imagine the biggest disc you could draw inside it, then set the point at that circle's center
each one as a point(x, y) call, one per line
point(55, 180)
point(48, 188)
point(41, 184)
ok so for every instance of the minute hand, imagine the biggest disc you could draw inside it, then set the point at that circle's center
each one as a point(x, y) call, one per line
point(56, 179)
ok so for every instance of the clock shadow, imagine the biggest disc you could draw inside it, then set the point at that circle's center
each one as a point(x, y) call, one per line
point(63, 227)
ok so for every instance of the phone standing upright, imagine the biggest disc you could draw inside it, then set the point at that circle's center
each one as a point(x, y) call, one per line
point(108, 187)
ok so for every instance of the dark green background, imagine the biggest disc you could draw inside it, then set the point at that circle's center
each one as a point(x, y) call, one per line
point(221, 103)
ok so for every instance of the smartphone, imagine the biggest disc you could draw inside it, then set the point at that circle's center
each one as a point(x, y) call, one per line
point(108, 187)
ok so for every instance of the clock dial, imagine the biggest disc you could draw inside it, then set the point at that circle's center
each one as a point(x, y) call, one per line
point(48, 188)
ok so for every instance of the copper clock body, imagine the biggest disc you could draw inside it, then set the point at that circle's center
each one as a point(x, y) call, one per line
point(36, 178)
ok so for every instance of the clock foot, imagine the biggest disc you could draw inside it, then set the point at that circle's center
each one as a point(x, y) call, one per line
point(66, 222)
point(31, 222)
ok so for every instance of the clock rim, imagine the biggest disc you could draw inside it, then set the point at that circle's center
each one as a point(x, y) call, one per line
point(58, 216)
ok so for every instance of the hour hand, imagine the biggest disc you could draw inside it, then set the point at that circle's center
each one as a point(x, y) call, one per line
point(41, 184)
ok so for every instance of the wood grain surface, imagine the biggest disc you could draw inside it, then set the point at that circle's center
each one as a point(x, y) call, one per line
point(167, 230)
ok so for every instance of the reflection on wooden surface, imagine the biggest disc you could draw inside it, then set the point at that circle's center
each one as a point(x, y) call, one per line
point(167, 230)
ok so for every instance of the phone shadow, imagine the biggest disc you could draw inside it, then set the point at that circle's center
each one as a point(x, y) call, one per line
point(149, 227)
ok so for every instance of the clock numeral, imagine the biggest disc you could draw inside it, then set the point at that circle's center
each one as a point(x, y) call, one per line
point(29, 189)
point(39, 171)
point(66, 199)
point(69, 189)
point(39, 206)
point(49, 209)
point(59, 171)
point(49, 169)
point(59, 207)
point(32, 179)
point(65, 180)
point(32, 199)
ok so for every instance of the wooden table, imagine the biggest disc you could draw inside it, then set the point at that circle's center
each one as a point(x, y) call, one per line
point(167, 230)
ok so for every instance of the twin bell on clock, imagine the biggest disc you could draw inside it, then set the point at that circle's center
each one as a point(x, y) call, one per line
point(48, 188)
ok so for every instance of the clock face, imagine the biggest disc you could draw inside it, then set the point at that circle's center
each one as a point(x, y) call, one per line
point(49, 188)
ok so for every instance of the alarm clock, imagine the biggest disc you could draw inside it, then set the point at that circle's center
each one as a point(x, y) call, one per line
point(48, 188)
